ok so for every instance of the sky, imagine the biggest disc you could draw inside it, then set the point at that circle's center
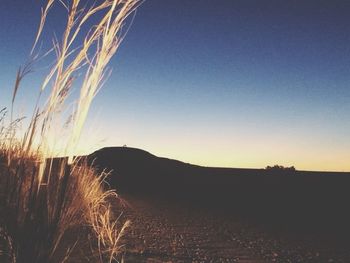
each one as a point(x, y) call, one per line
point(216, 83)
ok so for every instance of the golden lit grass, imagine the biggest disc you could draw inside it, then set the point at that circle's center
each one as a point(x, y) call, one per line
point(71, 212)
point(56, 209)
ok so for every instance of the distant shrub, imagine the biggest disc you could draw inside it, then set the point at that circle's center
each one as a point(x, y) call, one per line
point(280, 168)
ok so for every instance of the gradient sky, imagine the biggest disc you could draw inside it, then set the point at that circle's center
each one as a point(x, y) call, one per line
point(217, 83)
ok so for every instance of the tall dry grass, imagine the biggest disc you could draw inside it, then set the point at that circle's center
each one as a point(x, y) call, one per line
point(56, 209)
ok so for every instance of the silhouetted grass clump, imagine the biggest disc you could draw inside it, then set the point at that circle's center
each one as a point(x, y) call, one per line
point(56, 209)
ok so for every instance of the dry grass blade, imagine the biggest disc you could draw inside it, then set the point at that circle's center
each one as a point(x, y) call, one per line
point(60, 202)
point(44, 13)
point(21, 73)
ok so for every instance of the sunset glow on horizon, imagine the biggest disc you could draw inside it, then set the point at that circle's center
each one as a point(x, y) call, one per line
point(234, 84)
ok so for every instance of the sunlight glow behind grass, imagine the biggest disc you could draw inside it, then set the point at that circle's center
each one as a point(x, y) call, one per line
point(47, 198)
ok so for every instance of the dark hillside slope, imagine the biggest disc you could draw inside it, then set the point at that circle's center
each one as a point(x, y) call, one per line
point(316, 200)
point(138, 170)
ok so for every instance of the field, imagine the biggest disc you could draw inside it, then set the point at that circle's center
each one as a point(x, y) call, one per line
point(185, 213)
point(61, 203)
point(163, 231)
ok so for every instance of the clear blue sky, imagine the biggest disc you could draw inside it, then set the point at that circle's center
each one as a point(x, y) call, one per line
point(220, 83)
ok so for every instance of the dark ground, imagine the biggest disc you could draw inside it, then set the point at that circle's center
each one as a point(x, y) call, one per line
point(188, 213)
point(163, 231)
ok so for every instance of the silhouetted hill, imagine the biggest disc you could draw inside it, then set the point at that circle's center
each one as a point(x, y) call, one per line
point(299, 198)
point(135, 169)
point(125, 161)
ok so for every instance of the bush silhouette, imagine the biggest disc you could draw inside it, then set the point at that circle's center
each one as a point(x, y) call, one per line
point(278, 168)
